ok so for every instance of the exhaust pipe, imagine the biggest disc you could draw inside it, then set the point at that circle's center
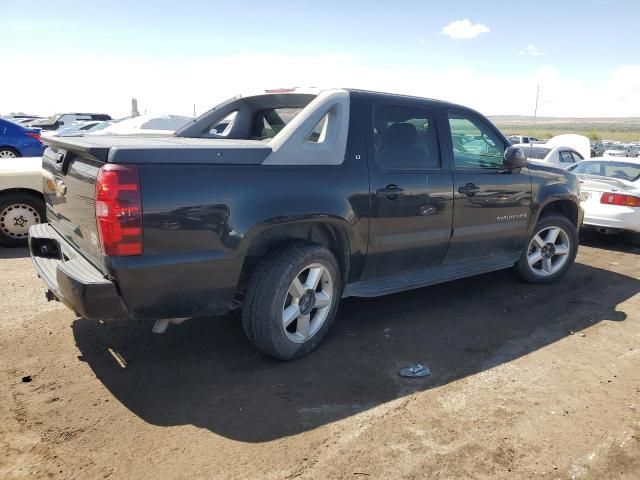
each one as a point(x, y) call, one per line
point(160, 326)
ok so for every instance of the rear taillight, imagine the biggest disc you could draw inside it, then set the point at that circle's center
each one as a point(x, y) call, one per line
point(620, 199)
point(119, 210)
point(33, 135)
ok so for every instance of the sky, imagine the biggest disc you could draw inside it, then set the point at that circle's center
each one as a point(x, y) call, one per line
point(60, 55)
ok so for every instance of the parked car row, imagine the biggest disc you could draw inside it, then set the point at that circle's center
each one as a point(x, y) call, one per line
point(20, 136)
point(16, 140)
point(560, 151)
point(615, 149)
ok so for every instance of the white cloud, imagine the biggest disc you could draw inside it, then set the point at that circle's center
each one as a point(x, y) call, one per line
point(464, 29)
point(175, 86)
point(531, 51)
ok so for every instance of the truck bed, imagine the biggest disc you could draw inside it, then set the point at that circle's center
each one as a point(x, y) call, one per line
point(164, 149)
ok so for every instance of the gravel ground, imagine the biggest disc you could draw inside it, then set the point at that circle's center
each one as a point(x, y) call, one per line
point(527, 382)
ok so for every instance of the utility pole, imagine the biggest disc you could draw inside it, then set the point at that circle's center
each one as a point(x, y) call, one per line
point(535, 112)
point(134, 108)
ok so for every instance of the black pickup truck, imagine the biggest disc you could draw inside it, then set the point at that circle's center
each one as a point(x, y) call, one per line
point(284, 202)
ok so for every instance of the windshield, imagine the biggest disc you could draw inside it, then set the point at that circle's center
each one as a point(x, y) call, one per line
point(620, 170)
point(537, 153)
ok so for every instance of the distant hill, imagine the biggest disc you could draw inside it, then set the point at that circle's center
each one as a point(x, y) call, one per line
point(611, 128)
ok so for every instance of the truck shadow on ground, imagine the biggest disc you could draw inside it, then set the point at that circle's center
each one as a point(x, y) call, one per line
point(206, 374)
point(619, 242)
point(13, 252)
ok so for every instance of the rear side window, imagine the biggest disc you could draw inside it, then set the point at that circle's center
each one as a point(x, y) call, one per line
point(475, 145)
point(269, 122)
point(404, 137)
point(319, 132)
point(223, 127)
point(565, 157)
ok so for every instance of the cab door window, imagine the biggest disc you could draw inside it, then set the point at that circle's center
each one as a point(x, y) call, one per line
point(404, 137)
point(475, 145)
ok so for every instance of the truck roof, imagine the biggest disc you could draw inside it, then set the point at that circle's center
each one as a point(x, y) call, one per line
point(372, 93)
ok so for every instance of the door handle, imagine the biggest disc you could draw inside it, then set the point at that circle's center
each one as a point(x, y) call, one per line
point(390, 191)
point(469, 189)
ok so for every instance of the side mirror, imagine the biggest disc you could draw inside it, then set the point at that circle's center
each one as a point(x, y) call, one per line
point(514, 158)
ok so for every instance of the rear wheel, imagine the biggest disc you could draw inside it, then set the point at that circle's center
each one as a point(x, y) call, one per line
point(18, 211)
point(291, 300)
point(8, 152)
point(550, 252)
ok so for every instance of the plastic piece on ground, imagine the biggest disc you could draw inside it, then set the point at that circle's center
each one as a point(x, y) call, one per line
point(415, 371)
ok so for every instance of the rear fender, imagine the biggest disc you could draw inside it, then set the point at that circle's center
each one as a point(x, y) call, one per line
point(331, 231)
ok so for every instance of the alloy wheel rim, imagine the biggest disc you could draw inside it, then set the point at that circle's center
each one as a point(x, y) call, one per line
point(7, 154)
point(307, 303)
point(548, 251)
point(16, 219)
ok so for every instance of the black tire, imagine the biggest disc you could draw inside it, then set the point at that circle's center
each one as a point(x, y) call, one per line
point(32, 203)
point(5, 150)
point(532, 275)
point(634, 239)
point(268, 292)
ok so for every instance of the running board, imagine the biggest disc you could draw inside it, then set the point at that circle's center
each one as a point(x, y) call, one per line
point(428, 276)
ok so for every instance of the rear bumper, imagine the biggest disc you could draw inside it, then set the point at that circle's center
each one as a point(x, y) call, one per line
point(72, 279)
point(612, 217)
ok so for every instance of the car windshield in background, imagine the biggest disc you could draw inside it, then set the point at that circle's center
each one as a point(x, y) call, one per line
point(537, 153)
point(617, 147)
point(620, 170)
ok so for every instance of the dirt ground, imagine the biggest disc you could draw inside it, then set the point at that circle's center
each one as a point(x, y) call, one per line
point(527, 382)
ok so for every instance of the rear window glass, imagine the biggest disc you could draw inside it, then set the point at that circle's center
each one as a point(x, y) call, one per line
point(536, 152)
point(271, 121)
point(620, 170)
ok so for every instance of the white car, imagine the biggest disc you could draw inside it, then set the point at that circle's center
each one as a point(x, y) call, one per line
point(610, 195)
point(73, 128)
point(620, 150)
point(518, 139)
point(21, 200)
point(145, 125)
point(561, 151)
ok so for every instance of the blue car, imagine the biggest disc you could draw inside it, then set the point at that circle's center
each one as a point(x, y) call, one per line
point(19, 141)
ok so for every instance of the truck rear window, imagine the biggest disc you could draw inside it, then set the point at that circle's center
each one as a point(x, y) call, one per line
point(270, 121)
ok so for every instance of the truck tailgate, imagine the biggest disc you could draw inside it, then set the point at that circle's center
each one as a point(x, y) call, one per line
point(69, 189)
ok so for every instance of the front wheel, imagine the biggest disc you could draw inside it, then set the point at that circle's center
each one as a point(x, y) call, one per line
point(291, 300)
point(550, 252)
point(18, 212)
